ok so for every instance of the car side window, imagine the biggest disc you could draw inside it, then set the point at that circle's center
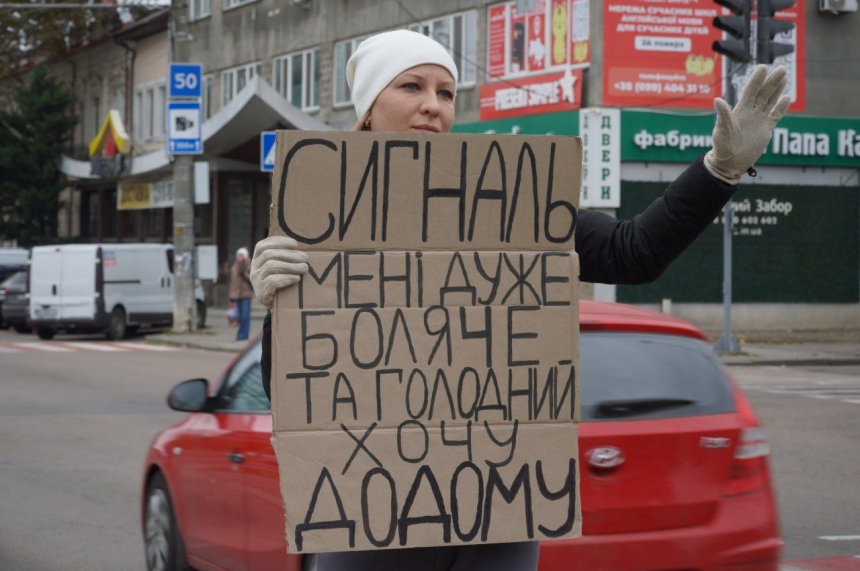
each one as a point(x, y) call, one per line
point(243, 389)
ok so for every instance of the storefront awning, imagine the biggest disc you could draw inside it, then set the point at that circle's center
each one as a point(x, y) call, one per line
point(257, 108)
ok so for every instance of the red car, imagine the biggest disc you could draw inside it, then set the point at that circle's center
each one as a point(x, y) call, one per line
point(674, 463)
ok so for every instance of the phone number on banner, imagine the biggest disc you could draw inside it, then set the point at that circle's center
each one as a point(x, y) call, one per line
point(658, 87)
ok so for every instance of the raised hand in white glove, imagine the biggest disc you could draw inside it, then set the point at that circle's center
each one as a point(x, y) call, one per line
point(277, 263)
point(741, 134)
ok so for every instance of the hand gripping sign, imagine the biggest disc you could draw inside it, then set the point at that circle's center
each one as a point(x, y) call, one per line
point(424, 378)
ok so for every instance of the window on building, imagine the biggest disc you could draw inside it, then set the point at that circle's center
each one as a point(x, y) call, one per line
point(138, 114)
point(342, 53)
point(459, 34)
point(150, 106)
point(233, 3)
point(110, 215)
point(297, 78)
point(234, 80)
point(79, 128)
point(160, 107)
point(206, 91)
point(199, 9)
point(150, 113)
point(97, 116)
point(117, 102)
point(153, 219)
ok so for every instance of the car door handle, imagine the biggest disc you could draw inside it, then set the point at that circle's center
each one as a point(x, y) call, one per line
point(54, 290)
point(236, 457)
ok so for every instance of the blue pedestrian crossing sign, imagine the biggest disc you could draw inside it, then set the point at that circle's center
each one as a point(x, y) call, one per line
point(267, 151)
point(184, 133)
point(185, 80)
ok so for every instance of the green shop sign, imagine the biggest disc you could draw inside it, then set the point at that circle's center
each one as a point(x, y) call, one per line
point(563, 123)
point(677, 137)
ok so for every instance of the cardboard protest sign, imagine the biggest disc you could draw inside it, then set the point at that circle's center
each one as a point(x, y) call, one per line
point(424, 371)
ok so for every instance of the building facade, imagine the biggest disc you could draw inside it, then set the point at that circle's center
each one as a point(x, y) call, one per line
point(636, 80)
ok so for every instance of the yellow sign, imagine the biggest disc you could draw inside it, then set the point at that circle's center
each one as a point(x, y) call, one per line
point(111, 129)
point(137, 195)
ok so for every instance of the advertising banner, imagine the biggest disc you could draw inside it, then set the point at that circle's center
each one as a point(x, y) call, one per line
point(554, 35)
point(659, 53)
point(424, 371)
point(141, 195)
point(532, 95)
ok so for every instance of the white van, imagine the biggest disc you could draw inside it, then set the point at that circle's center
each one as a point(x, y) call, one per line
point(103, 287)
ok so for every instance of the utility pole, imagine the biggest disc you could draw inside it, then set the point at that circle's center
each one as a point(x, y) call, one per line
point(184, 319)
point(737, 49)
point(184, 140)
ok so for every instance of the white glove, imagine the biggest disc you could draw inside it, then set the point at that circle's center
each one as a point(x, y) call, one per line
point(276, 264)
point(741, 135)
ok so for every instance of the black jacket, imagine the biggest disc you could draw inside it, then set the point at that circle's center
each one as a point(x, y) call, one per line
point(633, 251)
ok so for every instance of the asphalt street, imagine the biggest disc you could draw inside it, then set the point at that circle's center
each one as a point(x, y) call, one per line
point(75, 424)
point(74, 428)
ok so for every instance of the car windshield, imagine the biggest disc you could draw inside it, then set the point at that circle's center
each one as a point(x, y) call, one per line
point(626, 376)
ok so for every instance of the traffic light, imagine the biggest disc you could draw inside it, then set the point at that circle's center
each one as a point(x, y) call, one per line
point(736, 48)
point(767, 50)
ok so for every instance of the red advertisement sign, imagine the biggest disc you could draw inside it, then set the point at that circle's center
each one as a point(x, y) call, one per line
point(551, 37)
point(560, 91)
point(559, 25)
point(658, 53)
point(497, 17)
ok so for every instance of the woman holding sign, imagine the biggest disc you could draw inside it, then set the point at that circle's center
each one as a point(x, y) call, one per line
point(406, 82)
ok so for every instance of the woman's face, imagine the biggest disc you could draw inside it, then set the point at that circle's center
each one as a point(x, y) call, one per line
point(419, 100)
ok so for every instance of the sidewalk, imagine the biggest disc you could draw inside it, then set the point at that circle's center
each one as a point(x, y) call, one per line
point(779, 348)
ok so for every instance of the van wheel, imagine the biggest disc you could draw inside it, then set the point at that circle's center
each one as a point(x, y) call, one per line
point(45, 334)
point(117, 327)
point(201, 314)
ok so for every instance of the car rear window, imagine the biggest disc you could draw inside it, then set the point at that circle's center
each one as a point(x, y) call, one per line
point(17, 279)
point(626, 376)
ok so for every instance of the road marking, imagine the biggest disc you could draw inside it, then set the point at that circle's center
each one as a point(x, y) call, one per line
point(49, 347)
point(92, 346)
point(145, 347)
point(840, 538)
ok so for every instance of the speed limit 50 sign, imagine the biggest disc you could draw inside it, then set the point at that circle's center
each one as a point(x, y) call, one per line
point(185, 80)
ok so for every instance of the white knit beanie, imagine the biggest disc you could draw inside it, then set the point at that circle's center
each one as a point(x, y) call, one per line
point(381, 58)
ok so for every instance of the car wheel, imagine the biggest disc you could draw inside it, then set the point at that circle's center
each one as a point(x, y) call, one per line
point(117, 327)
point(161, 540)
point(45, 333)
point(22, 328)
point(201, 314)
point(309, 562)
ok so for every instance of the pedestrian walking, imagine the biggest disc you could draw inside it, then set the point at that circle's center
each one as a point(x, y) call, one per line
point(406, 82)
point(241, 291)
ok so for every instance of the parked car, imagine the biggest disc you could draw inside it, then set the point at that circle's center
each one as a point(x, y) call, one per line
point(15, 303)
point(673, 463)
point(114, 288)
point(12, 260)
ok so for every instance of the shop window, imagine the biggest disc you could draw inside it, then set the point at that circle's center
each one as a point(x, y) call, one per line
point(110, 215)
point(153, 221)
point(203, 221)
point(129, 224)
